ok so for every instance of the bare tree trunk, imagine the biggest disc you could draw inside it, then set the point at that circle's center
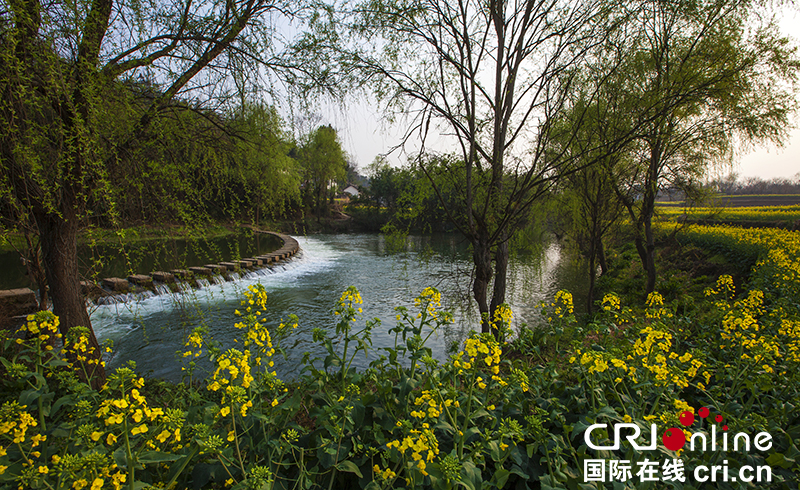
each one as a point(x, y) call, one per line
point(482, 257)
point(59, 244)
point(500, 278)
point(650, 259)
point(33, 264)
point(592, 274)
point(601, 257)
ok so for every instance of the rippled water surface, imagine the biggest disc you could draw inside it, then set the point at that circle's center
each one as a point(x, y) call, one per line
point(152, 330)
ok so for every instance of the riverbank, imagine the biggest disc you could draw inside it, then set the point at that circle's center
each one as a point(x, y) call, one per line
point(725, 362)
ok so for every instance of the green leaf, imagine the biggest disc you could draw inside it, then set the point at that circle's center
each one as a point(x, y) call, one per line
point(778, 459)
point(494, 451)
point(27, 397)
point(157, 457)
point(547, 483)
point(120, 458)
point(501, 476)
point(471, 475)
point(64, 400)
point(349, 467)
point(471, 432)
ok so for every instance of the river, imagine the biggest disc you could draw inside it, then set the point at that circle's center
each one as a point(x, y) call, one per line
point(153, 330)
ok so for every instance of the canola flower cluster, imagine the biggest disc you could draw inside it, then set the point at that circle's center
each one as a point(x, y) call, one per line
point(14, 424)
point(256, 337)
point(777, 251)
point(501, 322)
point(562, 305)
point(476, 372)
point(612, 305)
point(742, 330)
point(667, 367)
point(762, 340)
point(39, 329)
point(129, 414)
point(195, 343)
point(655, 306)
point(429, 299)
point(651, 353)
point(346, 306)
point(39, 340)
point(423, 445)
point(233, 376)
point(427, 405)
point(234, 372)
point(482, 349)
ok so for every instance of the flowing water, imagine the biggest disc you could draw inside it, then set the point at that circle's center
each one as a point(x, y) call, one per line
point(152, 330)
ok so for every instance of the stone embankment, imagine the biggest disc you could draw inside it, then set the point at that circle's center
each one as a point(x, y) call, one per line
point(15, 304)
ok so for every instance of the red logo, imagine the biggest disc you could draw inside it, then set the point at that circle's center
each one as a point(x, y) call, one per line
point(674, 438)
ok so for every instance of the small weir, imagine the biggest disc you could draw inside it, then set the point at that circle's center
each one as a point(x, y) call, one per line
point(16, 304)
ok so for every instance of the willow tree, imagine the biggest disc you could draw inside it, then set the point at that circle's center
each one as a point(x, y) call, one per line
point(587, 190)
point(323, 162)
point(62, 66)
point(488, 78)
point(698, 78)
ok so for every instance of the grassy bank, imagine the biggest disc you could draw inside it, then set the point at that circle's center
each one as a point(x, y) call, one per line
point(132, 235)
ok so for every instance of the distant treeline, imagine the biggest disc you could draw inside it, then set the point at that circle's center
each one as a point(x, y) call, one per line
point(735, 185)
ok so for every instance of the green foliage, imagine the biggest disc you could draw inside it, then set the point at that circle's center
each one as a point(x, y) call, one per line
point(494, 415)
point(264, 179)
point(323, 162)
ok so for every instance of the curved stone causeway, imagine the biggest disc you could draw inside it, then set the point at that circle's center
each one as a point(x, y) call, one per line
point(15, 304)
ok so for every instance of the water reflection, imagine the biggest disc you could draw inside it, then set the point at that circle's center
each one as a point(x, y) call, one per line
point(153, 330)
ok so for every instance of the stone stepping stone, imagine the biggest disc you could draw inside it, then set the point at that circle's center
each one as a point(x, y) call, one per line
point(116, 283)
point(216, 268)
point(182, 273)
point(140, 279)
point(161, 276)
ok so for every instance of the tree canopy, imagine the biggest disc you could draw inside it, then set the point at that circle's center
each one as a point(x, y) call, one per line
point(490, 76)
point(90, 91)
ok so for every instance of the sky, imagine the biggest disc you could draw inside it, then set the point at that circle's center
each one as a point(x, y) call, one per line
point(365, 135)
point(770, 162)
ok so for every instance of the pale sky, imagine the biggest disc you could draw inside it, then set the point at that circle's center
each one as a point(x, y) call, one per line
point(364, 135)
point(773, 162)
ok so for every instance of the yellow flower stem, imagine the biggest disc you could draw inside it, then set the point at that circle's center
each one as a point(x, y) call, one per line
point(468, 411)
point(40, 402)
point(446, 409)
point(658, 399)
point(182, 467)
point(627, 391)
point(236, 441)
point(22, 452)
point(339, 445)
point(225, 466)
point(616, 393)
point(128, 453)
